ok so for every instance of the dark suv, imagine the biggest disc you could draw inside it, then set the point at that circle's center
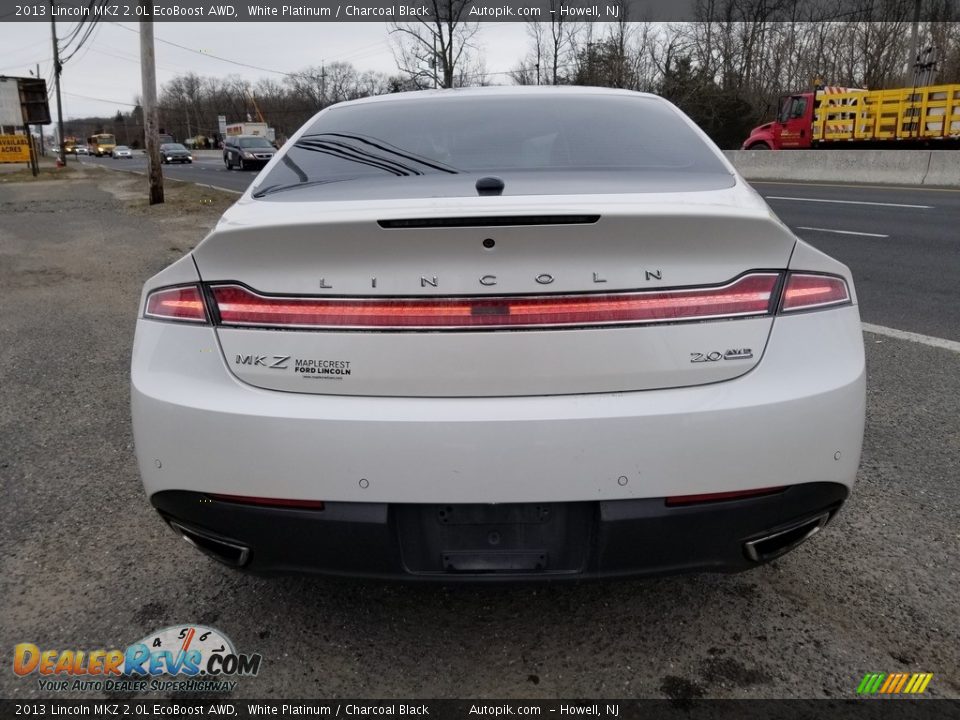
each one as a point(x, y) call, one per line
point(246, 151)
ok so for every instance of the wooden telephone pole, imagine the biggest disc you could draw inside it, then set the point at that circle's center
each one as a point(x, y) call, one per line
point(151, 130)
point(57, 68)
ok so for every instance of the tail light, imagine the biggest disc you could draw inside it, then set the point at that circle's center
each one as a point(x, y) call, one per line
point(751, 294)
point(806, 291)
point(183, 304)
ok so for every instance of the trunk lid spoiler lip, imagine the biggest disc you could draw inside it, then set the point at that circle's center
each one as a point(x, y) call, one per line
point(739, 201)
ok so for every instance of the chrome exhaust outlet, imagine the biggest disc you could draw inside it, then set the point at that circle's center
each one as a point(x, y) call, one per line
point(776, 544)
point(229, 553)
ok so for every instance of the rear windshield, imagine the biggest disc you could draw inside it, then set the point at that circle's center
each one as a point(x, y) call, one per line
point(563, 134)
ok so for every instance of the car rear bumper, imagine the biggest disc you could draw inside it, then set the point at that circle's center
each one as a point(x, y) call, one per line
point(795, 418)
point(515, 542)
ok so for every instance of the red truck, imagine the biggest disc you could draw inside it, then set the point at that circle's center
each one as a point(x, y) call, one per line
point(846, 117)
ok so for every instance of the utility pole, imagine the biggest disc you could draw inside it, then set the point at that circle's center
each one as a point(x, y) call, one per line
point(40, 127)
point(912, 59)
point(56, 70)
point(148, 78)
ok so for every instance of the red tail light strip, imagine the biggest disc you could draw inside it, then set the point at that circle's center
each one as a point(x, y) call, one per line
point(184, 303)
point(807, 291)
point(748, 295)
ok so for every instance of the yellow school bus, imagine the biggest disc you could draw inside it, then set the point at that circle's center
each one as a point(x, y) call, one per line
point(101, 144)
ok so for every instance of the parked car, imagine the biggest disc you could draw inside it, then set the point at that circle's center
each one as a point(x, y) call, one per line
point(174, 153)
point(79, 150)
point(122, 151)
point(499, 333)
point(247, 151)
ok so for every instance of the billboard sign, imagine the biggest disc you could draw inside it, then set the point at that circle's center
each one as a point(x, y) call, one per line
point(11, 114)
point(33, 100)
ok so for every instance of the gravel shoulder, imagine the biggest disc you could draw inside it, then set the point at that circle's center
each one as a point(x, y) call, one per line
point(88, 565)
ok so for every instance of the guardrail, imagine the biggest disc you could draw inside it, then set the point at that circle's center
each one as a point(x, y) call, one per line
point(936, 168)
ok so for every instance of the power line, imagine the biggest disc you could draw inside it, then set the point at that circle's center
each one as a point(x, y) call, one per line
point(127, 58)
point(90, 28)
point(103, 100)
point(357, 53)
point(89, 46)
point(215, 57)
point(32, 62)
point(64, 41)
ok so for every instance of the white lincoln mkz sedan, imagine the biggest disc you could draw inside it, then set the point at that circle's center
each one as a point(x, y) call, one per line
point(499, 333)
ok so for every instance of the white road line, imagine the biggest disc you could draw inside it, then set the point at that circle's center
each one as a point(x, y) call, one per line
point(856, 186)
point(842, 232)
point(913, 337)
point(847, 202)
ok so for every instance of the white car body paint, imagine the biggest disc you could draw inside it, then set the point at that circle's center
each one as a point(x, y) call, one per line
point(492, 417)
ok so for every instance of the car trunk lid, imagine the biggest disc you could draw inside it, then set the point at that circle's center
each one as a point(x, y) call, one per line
point(522, 296)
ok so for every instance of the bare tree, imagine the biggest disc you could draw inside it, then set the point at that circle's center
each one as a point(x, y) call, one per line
point(559, 45)
point(430, 51)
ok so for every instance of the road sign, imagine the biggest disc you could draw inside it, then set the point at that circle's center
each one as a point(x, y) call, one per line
point(14, 149)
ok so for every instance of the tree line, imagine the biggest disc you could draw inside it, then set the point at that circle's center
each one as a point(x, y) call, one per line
point(725, 72)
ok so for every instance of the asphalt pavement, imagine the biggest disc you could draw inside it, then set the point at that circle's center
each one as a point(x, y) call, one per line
point(87, 564)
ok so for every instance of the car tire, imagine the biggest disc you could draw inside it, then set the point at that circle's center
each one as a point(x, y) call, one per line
point(243, 165)
point(759, 146)
point(227, 163)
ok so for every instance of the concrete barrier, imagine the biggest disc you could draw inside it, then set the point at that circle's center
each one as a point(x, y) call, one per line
point(944, 170)
point(890, 167)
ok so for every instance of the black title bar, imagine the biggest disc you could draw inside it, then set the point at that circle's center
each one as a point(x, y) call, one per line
point(869, 709)
point(465, 11)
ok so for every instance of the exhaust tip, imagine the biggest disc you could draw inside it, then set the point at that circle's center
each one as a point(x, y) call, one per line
point(229, 553)
point(781, 542)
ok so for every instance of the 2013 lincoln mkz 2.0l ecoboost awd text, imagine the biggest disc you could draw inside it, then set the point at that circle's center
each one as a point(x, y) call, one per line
point(499, 333)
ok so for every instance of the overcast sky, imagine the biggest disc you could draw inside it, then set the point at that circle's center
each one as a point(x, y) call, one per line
point(104, 75)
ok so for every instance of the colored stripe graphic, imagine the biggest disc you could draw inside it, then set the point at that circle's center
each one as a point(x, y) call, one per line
point(894, 684)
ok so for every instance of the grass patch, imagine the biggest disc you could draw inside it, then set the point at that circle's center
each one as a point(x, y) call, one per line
point(181, 198)
point(47, 172)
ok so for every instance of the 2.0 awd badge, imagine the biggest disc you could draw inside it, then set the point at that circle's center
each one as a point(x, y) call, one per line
point(732, 354)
